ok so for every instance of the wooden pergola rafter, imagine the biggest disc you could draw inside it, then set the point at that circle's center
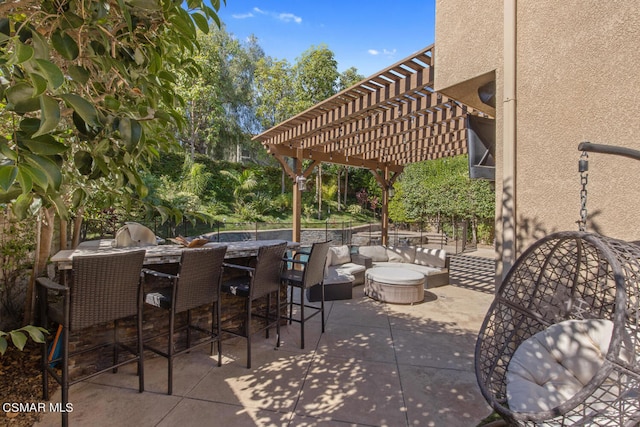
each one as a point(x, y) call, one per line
point(382, 123)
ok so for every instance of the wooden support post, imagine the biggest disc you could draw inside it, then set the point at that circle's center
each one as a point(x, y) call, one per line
point(297, 198)
point(385, 208)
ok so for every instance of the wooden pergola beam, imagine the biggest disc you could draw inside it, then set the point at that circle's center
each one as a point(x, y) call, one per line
point(382, 123)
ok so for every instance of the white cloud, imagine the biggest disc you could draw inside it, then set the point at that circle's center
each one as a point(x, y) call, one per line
point(385, 52)
point(283, 16)
point(243, 15)
point(288, 17)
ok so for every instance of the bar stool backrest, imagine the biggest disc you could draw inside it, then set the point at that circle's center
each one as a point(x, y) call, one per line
point(314, 270)
point(104, 288)
point(266, 277)
point(199, 277)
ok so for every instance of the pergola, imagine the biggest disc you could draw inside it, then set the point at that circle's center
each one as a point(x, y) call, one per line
point(382, 123)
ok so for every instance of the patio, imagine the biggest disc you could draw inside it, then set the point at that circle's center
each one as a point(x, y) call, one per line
point(376, 365)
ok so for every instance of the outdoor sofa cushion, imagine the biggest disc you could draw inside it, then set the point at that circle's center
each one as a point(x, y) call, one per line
point(377, 253)
point(432, 263)
point(553, 365)
point(340, 268)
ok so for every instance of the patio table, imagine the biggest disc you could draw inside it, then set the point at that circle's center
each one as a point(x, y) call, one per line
point(161, 254)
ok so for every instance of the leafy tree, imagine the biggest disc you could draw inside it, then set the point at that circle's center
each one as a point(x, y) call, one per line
point(220, 108)
point(87, 98)
point(439, 189)
point(315, 76)
point(273, 91)
point(348, 78)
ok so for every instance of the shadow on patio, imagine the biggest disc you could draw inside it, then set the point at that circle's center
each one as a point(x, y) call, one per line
point(376, 365)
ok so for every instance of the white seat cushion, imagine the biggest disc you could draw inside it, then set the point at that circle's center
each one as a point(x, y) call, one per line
point(340, 255)
point(553, 365)
point(395, 276)
point(348, 268)
point(376, 253)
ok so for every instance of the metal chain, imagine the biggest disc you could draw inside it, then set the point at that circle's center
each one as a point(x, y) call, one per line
point(583, 168)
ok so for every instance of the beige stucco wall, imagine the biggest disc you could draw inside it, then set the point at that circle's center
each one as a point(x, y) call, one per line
point(577, 80)
point(468, 46)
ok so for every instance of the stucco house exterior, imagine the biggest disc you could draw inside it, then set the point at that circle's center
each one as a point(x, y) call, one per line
point(564, 72)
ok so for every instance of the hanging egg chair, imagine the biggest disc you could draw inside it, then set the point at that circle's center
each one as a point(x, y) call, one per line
point(560, 344)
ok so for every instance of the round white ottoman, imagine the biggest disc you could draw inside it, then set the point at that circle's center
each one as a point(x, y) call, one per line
point(394, 285)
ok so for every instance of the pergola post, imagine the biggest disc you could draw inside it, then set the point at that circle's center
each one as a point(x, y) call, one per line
point(385, 208)
point(297, 198)
point(386, 182)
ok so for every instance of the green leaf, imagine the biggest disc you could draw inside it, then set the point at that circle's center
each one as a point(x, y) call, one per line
point(165, 75)
point(49, 119)
point(71, 20)
point(18, 338)
point(20, 98)
point(38, 177)
point(83, 161)
point(39, 84)
point(40, 45)
point(61, 207)
point(45, 145)
point(29, 125)
point(142, 190)
point(79, 196)
point(49, 167)
point(20, 207)
point(164, 212)
point(25, 180)
point(51, 72)
point(146, 4)
point(79, 74)
point(3, 345)
point(65, 45)
point(8, 175)
point(6, 151)
point(84, 108)
point(216, 19)
point(10, 196)
point(130, 131)
point(36, 333)
point(126, 13)
point(111, 103)
point(201, 22)
point(138, 56)
point(22, 53)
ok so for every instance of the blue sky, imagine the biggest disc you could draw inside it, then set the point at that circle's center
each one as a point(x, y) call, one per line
point(369, 35)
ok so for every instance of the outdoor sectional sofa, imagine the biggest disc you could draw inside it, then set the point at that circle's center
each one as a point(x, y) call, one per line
point(433, 263)
point(344, 269)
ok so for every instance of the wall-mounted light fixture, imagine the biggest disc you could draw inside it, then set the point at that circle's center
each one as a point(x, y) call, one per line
point(301, 182)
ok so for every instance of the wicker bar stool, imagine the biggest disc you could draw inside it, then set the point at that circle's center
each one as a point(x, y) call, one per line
point(311, 274)
point(197, 284)
point(104, 288)
point(257, 282)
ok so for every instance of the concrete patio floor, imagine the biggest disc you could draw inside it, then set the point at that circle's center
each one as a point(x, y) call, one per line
point(376, 365)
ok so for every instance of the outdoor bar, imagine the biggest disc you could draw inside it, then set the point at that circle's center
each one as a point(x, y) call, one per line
point(163, 258)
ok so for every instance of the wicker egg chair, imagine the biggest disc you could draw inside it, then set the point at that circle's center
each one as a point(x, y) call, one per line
point(559, 345)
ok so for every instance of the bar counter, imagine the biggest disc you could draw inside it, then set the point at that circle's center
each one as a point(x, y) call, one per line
point(162, 258)
point(161, 254)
